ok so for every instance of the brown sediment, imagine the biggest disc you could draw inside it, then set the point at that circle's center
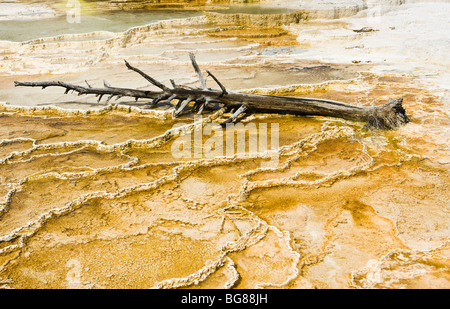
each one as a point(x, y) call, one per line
point(340, 196)
point(406, 269)
point(14, 145)
point(364, 227)
point(127, 210)
point(266, 36)
point(200, 5)
point(266, 20)
point(94, 198)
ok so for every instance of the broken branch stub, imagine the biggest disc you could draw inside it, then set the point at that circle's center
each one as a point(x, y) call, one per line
point(388, 116)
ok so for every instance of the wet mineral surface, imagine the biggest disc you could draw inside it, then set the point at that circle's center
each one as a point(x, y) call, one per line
point(96, 195)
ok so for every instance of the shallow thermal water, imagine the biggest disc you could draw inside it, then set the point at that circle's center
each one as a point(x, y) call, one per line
point(116, 21)
point(93, 195)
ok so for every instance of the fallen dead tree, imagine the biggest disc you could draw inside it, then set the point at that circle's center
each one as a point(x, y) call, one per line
point(388, 116)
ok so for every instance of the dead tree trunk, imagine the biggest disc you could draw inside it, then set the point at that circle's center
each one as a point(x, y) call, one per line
point(388, 116)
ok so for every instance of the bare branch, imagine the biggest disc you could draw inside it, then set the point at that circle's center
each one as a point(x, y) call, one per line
point(109, 98)
point(236, 114)
point(172, 97)
point(99, 98)
point(203, 106)
point(224, 90)
point(197, 69)
point(183, 106)
point(147, 77)
point(388, 116)
point(115, 91)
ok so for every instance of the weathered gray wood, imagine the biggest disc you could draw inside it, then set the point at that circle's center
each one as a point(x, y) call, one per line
point(388, 116)
point(224, 90)
point(199, 72)
point(242, 109)
point(147, 77)
point(115, 91)
point(183, 106)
